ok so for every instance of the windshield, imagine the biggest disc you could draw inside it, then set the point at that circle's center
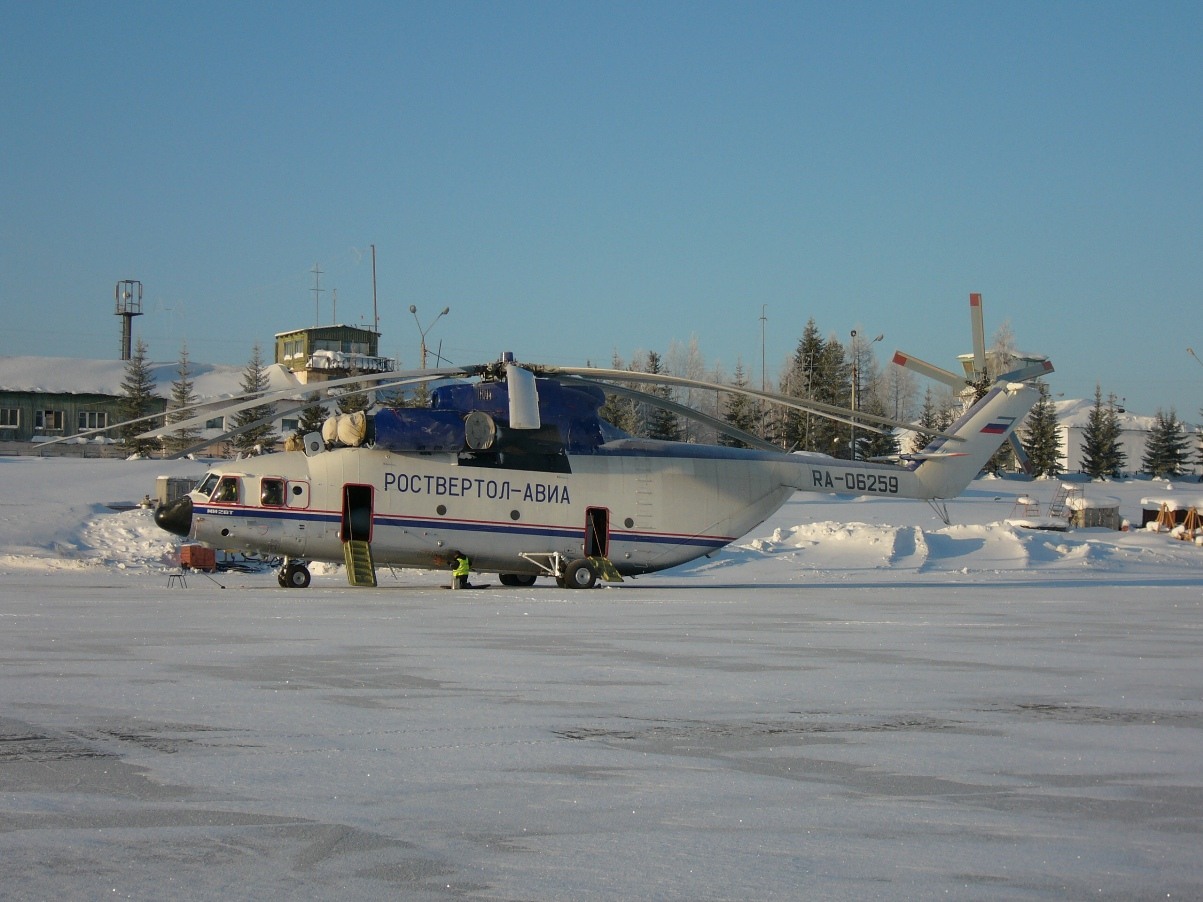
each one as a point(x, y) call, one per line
point(207, 484)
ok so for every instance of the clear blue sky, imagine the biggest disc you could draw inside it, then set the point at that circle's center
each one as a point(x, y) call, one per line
point(575, 179)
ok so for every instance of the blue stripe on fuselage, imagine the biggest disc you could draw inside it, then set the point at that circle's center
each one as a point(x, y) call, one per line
point(469, 526)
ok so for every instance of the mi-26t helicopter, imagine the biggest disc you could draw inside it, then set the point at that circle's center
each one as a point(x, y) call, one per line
point(512, 465)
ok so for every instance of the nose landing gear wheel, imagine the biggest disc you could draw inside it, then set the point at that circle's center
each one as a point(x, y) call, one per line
point(294, 575)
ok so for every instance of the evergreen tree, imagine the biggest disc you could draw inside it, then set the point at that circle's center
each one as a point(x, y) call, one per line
point(1167, 451)
point(934, 416)
point(660, 423)
point(619, 410)
point(1101, 454)
point(875, 444)
point(254, 383)
point(1041, 437)
point(354, 399)
point(182, 397)
point(833, 385)
point(1116, 460)
point(312, 417)
point(137, 400)
point(740, 411)
point(797, 427)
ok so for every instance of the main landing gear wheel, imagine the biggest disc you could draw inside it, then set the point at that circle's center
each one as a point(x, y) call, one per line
point(580, 574)
point(294, 575)
point(517, 579)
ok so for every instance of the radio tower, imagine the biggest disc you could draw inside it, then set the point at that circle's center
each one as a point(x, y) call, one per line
point(129, 305)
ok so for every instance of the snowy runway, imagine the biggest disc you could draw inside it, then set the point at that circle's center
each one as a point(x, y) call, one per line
point(659, 741)
point(856, 702)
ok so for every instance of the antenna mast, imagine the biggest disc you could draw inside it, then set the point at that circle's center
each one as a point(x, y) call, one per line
point(375, 309)
point(317, 293)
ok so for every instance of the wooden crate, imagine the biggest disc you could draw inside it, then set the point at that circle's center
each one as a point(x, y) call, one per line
point(198, 557)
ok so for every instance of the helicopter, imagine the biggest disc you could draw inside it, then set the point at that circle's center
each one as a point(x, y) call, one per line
point(512, 465)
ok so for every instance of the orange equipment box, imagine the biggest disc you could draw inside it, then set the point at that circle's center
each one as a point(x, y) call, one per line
point(198, 557)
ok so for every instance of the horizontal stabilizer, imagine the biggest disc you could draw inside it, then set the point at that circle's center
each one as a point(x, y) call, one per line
point(919, 455)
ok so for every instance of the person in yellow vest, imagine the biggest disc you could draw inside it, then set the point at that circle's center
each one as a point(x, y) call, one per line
point(459, 577)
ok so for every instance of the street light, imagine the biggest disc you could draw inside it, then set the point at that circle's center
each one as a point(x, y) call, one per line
point(763, 319)
point(414, 310)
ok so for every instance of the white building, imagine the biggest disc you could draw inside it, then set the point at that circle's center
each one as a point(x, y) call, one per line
point(1072, 417)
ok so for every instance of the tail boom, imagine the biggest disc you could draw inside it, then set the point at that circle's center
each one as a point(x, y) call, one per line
point(941, 470)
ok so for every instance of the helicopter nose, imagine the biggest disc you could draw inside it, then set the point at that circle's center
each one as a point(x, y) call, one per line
point(176, 516)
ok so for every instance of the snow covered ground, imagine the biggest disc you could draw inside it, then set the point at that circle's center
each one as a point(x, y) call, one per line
point(854, 702)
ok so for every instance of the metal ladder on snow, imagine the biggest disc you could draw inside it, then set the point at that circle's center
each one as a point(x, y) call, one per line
point(1056, 507)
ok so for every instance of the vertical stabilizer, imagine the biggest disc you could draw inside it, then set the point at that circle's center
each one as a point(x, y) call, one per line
point(950, 465)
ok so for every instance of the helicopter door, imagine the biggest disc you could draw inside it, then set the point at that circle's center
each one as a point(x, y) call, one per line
point(357, 514)
point(597, 532)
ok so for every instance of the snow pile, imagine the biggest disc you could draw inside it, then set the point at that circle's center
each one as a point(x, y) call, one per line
point(62, 513)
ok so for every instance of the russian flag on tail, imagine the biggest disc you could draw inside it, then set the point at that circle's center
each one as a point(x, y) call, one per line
point(999, 426)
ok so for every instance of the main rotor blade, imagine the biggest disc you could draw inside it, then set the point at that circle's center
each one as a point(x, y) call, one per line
point(979, 337)
point(840, 414)
point(723, 427)
point(277, 413)
point(398, 377)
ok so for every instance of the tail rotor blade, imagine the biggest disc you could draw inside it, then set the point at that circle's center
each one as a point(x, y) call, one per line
point(979, 337)
point(939, 374)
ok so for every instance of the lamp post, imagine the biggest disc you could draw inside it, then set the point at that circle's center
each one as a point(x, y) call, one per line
point(422, 332)
point(763, 320)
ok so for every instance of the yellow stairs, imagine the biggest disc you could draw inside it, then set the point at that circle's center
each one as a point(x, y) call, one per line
point(360, 570)
point(605, 569)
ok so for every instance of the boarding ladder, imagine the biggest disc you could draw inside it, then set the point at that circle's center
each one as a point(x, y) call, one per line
point(360, 569)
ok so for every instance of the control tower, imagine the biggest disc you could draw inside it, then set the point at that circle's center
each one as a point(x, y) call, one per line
point(129, 305)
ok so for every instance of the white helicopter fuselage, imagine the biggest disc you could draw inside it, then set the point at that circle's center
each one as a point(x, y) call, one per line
point(645, 511)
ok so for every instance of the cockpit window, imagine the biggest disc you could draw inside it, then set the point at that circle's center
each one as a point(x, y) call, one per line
point(271, 492)
point(207, 485)
point(227, 491)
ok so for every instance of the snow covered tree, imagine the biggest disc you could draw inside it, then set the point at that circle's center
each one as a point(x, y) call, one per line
point(138, 400)
point(687, 360)
point(1102, 456)
point(1167, 451)
point(740, 410)
point(1199, 440)
point(898, 392)
point(254, 383)
point(1041, 437)
point(182, 398)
